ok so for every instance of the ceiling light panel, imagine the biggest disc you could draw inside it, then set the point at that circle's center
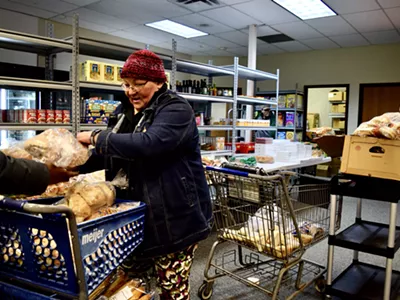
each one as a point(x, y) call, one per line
point(177, 29)
point(306, 9)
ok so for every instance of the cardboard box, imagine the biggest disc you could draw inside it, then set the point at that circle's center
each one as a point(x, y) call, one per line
point(341, 108)
point(41, 116)
point(290, 101)
point(299, 101)
point(50, 116)
point(66, 116)
point(323, 170)
point(91, 71)
point(338, 124)
point(313, 120)
point(282, 101)
point(369, 156)
point(109, 75)
point(118, 70)
point(335, 96)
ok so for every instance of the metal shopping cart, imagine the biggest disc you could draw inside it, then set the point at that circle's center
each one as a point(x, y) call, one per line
point(272, 222)
point(45, 254)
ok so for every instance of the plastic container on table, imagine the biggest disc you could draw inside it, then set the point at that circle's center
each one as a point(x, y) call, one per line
point(46, 254)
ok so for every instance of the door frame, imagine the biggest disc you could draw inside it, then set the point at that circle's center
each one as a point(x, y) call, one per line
point(361, 95)
point(318, 86)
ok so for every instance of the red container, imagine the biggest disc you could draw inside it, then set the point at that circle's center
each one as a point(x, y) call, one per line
point(41, 116)
point(245, 148)
point(58, 116)
point(66, 116)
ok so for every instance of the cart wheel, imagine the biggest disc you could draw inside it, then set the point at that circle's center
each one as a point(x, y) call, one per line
point(320, 285)
point(205, 290)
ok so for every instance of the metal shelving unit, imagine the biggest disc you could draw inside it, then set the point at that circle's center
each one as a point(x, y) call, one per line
point(81, 45)
point(295, 110)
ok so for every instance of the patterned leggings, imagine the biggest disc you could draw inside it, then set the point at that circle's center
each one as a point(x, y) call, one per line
point(172, 272)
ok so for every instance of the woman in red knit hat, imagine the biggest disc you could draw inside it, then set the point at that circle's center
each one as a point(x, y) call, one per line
point(154, 138)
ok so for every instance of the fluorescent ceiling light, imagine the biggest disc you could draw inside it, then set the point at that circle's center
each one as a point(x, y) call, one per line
point(307, 9)
point(177, 29)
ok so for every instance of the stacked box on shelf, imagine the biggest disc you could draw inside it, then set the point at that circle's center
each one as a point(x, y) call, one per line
point(99, 111)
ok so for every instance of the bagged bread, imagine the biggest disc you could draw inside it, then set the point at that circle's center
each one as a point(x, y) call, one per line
point(85, 199)
point(17, 152)
point(384, 126)
point(59, 147)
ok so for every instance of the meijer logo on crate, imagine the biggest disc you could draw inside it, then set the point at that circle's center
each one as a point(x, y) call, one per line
point(92, 237)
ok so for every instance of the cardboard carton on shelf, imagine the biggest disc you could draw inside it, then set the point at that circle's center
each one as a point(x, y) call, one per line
point(92, 71)
point(370, 156)
point(335, 95)
point(338, 124)
point(313, 120)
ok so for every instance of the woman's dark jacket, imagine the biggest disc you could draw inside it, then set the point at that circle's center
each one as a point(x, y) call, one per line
point(159, 150)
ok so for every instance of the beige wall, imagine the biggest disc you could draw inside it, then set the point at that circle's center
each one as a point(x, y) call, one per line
point(371, 64)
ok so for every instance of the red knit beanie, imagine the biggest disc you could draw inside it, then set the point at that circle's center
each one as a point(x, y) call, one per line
point(146, 65)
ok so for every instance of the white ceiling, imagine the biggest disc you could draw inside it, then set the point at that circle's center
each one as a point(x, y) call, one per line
point(359, 23)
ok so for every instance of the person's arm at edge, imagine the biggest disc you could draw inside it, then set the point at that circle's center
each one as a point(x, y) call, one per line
point(168, 130)
point(20, 176)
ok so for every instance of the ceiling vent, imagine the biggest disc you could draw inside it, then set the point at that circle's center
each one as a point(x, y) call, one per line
point(188, 2)
point(275, 38)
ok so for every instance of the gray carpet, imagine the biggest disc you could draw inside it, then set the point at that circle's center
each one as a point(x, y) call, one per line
point(226, 288)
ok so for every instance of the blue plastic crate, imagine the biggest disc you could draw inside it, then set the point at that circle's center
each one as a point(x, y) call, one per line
point(37, 249)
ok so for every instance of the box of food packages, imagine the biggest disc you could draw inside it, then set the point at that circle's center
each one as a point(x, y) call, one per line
point(290, 135)
point(281, 135)
point(109, 75)
point(118, 70)
point(313, 120)
point(66, 116)
point(281, 119)
point(335, 95)
point(289, 119)
point(41, 116)
point(338, 124)
point(58, 116)
point(370, 156)
point(291, 101)
point(282, 101)
point(341, 108)
point(299, 101)
point(50, 116)
point(99, 111)
point(91, 71)
point(29, 116)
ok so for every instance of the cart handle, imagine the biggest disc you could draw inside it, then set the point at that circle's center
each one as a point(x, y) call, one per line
point(11, 204)
point(243, 174)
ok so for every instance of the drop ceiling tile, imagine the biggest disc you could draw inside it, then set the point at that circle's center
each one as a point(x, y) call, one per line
point(351, 6)
point(266, 11)
point(126, 11)
point(196, 20)
point(292, 46)
point(215, 42)
point(370, 21)
point(196, 6)
point(81, 2)
point(262, 30)
point(129, 35)
point(101, 19)
point(159, 8)
point(232, 2)
point(268, 49)
point(350, 40)
point(389, 3)
point(190, 44)
point(50, 5)
point(331, 26)
point(236, 36)
point(84, 24)
point(241, 51)
point(394, 15)
point(215, 52)
point(383, 37)
point(230, 17)
point(298, 30)
point(320, 43)
point(18, 7)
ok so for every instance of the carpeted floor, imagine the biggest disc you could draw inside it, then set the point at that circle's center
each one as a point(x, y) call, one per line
point(229, 289)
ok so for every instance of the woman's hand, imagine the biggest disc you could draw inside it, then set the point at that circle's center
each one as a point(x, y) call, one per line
point(84, 137)
point(59, 174)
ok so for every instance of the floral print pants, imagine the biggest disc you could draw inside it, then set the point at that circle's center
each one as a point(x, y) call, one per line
point(173, 271)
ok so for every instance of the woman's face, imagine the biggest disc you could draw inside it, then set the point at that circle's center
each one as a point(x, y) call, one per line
point(140, 92)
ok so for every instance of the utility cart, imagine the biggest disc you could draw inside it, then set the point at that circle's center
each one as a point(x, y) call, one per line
point(272, 221)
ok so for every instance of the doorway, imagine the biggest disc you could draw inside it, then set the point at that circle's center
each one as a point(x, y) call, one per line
point(377, 99)
point(326, 106)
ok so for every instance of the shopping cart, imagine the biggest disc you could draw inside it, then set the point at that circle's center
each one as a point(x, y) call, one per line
point(45, 254)
point(272, 223)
